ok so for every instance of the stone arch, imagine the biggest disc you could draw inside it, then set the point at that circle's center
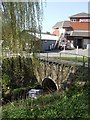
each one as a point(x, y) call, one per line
point(49, 85)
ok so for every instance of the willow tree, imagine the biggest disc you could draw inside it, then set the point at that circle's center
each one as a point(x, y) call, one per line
point(18, 17)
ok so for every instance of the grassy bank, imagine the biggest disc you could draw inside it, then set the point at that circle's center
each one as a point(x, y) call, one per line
point(71, 104)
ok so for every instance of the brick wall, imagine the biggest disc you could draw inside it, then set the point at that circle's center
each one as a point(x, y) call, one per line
point(80, 25)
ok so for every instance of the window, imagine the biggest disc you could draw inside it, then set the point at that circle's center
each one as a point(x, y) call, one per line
point(84, 20)
point(73, 20)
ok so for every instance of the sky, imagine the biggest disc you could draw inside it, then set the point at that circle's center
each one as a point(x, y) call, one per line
point(59, 11)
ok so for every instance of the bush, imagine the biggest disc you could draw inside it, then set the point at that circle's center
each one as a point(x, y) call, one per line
point(17, 77)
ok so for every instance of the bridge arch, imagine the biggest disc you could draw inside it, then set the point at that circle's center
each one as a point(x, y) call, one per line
point(49, 85)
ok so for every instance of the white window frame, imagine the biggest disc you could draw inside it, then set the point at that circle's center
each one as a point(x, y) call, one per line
point(73, 20)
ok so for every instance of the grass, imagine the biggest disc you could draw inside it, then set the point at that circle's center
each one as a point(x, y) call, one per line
point(71, 104)
point(75, 59)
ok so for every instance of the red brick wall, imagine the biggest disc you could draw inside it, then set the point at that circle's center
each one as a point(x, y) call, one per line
point(80, 25)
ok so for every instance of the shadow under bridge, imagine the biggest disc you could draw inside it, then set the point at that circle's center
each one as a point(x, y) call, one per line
point(49, 85)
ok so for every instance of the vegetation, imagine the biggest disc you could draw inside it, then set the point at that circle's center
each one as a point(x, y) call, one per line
point(72, 104)
point(76, 59)
point(18, 17)
point(17, 77)
point(66, 105)
point(17, 71)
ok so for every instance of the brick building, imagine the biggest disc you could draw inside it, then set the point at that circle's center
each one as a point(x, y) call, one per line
point(77, 30)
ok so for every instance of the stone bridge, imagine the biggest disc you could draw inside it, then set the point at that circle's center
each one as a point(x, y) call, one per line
point(55, 75)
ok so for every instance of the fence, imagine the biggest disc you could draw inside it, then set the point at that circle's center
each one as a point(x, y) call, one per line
point(57, 57)
point(65, 57)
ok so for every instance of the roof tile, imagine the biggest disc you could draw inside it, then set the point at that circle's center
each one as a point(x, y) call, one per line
point(80, 15)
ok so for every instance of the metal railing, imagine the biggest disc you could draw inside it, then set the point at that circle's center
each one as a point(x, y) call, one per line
point(77, 59)
point(58, 57)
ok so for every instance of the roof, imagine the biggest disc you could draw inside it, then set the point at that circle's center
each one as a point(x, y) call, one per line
point(62, 24)
point(45, 36)
point(58, 25)
point(80, 33)
point(80, 15)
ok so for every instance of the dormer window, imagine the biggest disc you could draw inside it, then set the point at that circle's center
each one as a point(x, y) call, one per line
point(73, 20)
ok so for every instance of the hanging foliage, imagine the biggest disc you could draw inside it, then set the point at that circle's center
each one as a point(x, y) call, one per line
point(17, 17)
